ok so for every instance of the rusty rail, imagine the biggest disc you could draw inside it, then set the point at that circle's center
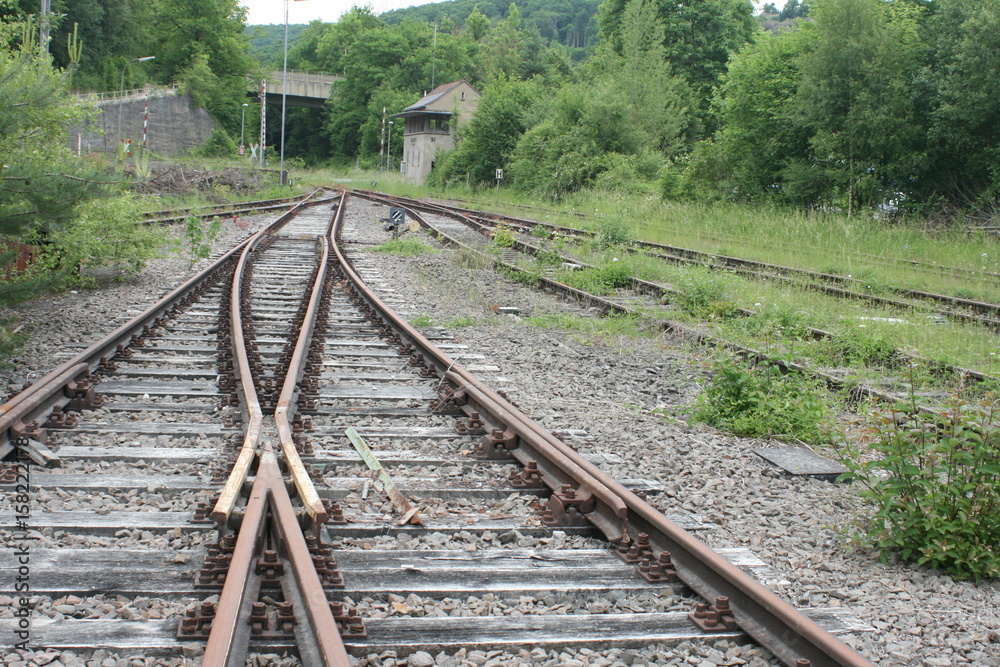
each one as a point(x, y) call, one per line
point(269, 514)
point(772, 622)
point(39, 399)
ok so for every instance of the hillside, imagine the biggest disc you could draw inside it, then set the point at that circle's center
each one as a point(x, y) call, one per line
point(266, 42)
point(573, 23)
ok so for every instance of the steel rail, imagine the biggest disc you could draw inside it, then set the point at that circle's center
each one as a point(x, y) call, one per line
point(229, 637)
point(772, 622)
point(159, 215)
point(654, 289)
point(41, 396)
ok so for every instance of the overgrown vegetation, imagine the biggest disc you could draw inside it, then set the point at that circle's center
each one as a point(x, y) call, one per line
point(406, 246)
point(932, 486)
point(759, 400)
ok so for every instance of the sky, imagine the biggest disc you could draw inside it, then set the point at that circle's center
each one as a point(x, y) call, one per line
point(303, 11)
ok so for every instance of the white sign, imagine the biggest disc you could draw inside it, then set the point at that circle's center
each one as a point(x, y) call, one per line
point(499, 174)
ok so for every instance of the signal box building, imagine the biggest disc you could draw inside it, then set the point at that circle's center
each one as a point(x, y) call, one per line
point(430, 125)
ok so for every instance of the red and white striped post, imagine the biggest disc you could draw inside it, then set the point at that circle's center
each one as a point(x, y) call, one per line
point(145, 123)
point(263, 118)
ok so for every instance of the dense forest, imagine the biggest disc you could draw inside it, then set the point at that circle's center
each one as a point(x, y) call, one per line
point(848, 103)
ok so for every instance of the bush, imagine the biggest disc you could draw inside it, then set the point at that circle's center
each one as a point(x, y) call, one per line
point(703, 294)
point(934, 486)
point(503, 237)
point(614, 232)
point(757, 400)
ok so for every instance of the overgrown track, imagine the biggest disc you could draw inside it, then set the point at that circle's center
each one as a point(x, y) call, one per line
point(639, 298)
point(325, 426)
point(223, 210)
point(955, 308)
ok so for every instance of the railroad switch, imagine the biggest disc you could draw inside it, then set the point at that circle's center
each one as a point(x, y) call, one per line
point(496, 446)
point(714, 618)
point(634, 553)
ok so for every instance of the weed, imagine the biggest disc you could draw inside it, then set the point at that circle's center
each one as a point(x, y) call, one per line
point(423, 322)
point(703, 295)
point(757, 399)
point(858, 347)
point(503, 237)
point(538, 231)
point(409, 247)
point(933, 487)
point(604, 280)
point(463, 321)
point(614, 232)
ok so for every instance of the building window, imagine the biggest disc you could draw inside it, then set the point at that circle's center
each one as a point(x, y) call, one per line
point(462, 96)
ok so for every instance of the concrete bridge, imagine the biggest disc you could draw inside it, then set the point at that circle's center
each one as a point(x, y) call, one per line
point(305, 89)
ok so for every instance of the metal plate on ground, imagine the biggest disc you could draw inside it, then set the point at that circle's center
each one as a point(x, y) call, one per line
point(798, 461)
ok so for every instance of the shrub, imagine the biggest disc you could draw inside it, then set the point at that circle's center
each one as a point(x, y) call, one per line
point(503, 237)
point(614, 232)
point(703, 295)
point(756, 400)
point(933, 487)
point(857, 347)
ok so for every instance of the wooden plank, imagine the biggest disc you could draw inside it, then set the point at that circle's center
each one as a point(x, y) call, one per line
point(146, 572)
point(155, 428)
point(124, 388)
point(91, 523)
point(76, 481)
point(407, 635)
point(377, 393)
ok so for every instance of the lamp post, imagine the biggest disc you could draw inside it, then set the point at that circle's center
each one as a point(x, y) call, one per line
point(388, 158)
point(121, 99)
point(284, 93)
point(243, 124)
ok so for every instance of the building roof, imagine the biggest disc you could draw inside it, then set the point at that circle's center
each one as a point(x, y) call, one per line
point(434, 96)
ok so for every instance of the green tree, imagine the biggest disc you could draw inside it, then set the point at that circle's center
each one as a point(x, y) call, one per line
point(856, 100)
point(477, 24)
point(963, 79)
point(503, 115)
point(761, 134)
point(186, 35)
point(699, 37)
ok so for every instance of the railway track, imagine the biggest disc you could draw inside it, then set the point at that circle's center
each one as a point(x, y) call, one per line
point(962, 310)
point(640, 297)
point(327, 481)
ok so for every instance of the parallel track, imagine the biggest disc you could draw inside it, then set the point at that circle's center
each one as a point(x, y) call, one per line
point(280, 371)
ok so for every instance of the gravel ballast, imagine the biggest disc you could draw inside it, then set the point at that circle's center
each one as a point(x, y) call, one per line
point(631, 396)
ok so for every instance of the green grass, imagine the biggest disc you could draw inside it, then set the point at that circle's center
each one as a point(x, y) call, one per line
point(859, 247)
point(406, 246)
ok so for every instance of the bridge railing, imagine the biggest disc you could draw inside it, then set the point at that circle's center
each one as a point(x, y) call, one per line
point(128, 95)
point(301, 76)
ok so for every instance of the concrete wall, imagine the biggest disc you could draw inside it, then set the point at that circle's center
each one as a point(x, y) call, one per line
point(174, 127)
